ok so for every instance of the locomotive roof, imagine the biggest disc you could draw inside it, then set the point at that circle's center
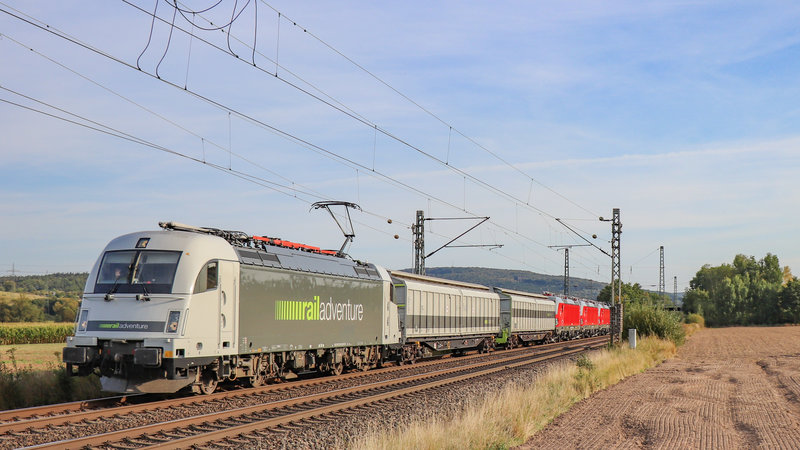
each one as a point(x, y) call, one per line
point(291, 259)
point(280, 254)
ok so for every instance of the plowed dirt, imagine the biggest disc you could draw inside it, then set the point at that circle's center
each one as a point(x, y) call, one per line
point(728, 388)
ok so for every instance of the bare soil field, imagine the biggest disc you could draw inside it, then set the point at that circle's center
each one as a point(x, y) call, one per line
point(726, 388)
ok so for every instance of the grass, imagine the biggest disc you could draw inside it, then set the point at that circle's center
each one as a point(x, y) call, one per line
point(33, 356)
point(696, 318)
point(33, 374)
point(511, 417)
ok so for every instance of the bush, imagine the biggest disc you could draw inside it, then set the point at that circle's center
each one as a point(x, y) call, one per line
point(35, 333)
point(653, 320)
point(696, 318)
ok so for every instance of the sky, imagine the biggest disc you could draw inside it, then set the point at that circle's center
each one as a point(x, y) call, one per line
point(682, 114)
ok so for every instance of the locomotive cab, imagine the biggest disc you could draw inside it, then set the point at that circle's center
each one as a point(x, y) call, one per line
point(134, 318)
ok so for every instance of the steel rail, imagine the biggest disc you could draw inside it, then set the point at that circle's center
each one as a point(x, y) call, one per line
point(26, 413)
point(219, 435)
point(43, 416)
point(178, 426)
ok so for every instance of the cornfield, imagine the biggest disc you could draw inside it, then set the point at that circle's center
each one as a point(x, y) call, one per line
point(35, 333)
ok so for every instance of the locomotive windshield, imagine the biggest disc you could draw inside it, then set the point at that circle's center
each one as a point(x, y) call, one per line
point(137, 271)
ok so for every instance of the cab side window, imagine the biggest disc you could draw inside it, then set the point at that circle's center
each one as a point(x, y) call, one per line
point(207, 278)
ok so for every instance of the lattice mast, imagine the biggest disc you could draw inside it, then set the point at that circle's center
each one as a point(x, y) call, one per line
point(418, 232)
point(661, 284)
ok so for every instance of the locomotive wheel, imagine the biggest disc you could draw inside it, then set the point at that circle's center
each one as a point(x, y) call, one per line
point(368, 362)
point(409, 356)
point(257, 380)
point(336, 369)
point(208, 382)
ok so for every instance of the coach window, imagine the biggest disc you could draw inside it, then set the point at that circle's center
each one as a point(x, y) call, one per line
point(207, 278)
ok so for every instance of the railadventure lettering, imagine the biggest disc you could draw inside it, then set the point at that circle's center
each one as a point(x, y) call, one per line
point(316, 310)
point(123, 326)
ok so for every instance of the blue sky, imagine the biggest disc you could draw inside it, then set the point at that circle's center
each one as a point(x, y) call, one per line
point(682, 114)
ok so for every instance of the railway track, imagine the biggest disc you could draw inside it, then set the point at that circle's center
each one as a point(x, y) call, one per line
point(273, 406)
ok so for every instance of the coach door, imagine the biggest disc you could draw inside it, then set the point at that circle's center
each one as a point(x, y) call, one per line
point(226, 306)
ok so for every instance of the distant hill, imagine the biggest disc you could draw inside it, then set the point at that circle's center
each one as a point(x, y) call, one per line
point(520, 280)
point(71, 283)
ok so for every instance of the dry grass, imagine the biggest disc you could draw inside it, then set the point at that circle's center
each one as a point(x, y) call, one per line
point(32, 356)
point(691, 328)
point(517, 413)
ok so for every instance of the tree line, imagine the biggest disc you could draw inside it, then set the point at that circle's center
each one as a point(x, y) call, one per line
point(53, 297)
point(48, 309)
point(633, 293)
point(70, 283)
point(746, 292)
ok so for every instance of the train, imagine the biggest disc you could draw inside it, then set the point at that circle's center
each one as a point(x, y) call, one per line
point(186, 308)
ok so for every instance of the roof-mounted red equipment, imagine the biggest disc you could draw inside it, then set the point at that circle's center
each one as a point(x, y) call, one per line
point(293, 245)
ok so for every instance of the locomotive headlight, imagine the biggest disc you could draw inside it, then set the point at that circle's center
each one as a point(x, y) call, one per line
point(173, 320)
point(83, 322)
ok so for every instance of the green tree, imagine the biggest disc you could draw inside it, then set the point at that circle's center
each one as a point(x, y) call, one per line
point(697, 301)
point(24, 310)
point(65, 309)
point(789, 301)
point(632, 293)
point(745, 292)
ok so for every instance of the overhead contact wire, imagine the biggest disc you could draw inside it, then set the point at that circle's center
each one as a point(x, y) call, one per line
point(281, 132)
point(371, 124)
point(427, 111)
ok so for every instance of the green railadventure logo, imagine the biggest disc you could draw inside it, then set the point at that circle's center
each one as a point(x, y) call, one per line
point(316, 310)
point(123, 326)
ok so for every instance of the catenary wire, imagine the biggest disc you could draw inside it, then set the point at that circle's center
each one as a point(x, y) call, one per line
point(365, 121)
point(370, 124)
point(291, 137)
point(426, 110)
point(98, 127)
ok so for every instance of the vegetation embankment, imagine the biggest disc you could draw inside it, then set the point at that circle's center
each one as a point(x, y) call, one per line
point(650, 319)
point(37, 377)
point(521, 409)
point(36, 315)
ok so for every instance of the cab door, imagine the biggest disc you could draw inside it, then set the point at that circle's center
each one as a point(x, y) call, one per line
point(226, 306)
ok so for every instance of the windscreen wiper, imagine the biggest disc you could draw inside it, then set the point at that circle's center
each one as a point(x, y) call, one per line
point(146, 295)
point(110, 295)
